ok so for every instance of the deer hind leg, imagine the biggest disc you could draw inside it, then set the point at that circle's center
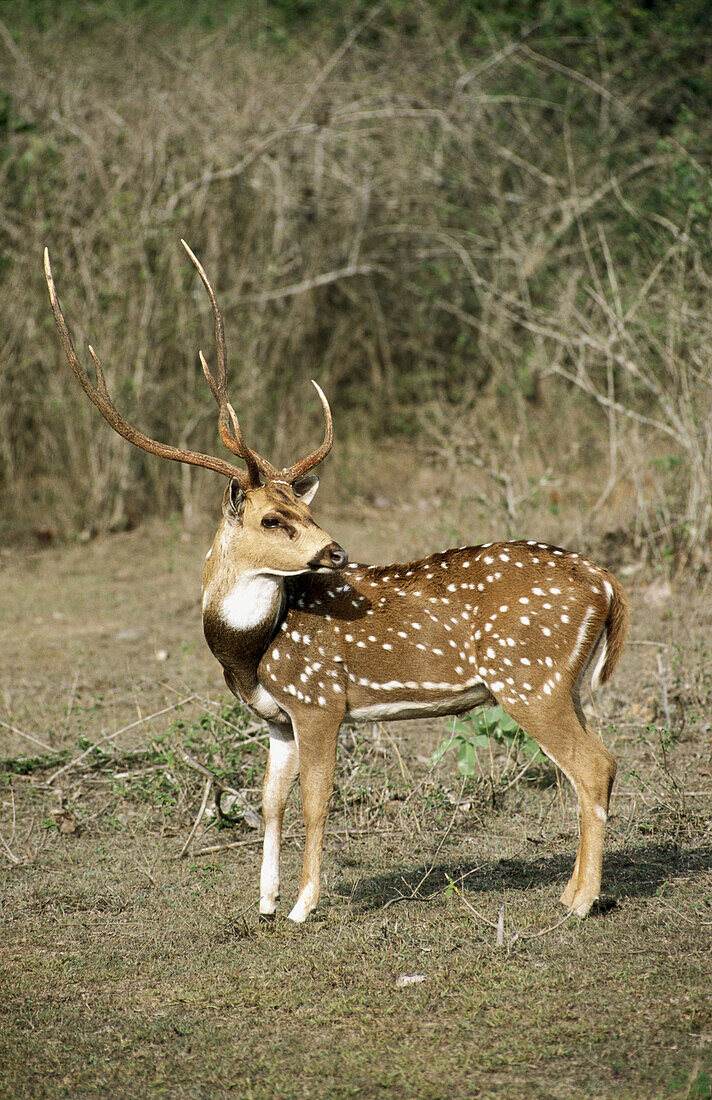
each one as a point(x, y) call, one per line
point(282, 771)
point(560, 730)
point(317, 751)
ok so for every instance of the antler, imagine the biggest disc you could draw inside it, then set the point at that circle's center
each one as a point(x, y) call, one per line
point(234, 441)
point(293, 472)
point(228, 424)
point(218, 387)
point(99, 395)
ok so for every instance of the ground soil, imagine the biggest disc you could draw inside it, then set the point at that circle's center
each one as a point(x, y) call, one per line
point(129, 972)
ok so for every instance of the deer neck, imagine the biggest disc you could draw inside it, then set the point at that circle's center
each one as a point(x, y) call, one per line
point(242, 610)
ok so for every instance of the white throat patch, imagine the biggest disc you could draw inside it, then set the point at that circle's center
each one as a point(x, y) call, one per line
point(251, 602)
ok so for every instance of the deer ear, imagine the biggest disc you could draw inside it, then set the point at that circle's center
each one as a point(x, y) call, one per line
point(305, 488)
point(233, 499)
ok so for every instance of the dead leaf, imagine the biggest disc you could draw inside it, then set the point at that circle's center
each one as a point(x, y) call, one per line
point(66, 821)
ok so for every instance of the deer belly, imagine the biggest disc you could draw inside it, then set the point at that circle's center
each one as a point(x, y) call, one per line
point(421, 703)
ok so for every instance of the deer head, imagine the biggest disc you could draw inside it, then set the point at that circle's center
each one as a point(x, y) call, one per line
point(267, 527)
point(272, 527)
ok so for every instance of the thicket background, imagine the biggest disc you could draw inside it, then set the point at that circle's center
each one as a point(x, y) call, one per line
point(485, 228)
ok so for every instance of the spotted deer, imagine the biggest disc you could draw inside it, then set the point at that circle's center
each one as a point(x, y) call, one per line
point(308, 640)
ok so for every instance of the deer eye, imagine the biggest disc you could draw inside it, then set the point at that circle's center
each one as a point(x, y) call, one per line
point(270, 521)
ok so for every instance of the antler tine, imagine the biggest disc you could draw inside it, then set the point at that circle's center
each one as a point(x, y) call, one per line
point(299, 468)
point(256, 465)
point(219, 388)
point(265, 466)
point(99, 396)
point(235, 441)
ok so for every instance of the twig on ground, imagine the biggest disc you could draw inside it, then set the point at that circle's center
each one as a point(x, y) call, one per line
point(142, 865)
point(403, 770)
point(544, 931)
point(476, 912)
point(341, 835)
point(500, 926)
point(29, 736)
point(212, 848)
point(538, 757)
point(13, 834)
point(110, 736)
point(109, 804)
point(203, 805)
point(70, 704)
point(431, 868)
point(258, 728)
point(8, 852)
point(661, 658)
point(250, 816)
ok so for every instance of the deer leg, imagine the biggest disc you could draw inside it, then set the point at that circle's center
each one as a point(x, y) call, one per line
point(317, 751)
point(567, 897)
point(594, 786)
point(562, 733)
point(594, 790)
point(282, 771)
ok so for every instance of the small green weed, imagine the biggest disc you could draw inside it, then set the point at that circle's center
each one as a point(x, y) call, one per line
point(698, 1087)
point(157, 786)
point(26, 765)
point(477, 731)
point(224, 740)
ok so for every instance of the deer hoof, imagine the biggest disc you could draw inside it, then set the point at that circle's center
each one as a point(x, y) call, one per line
point(301, 912)
point(567, 898)
point(580, 904)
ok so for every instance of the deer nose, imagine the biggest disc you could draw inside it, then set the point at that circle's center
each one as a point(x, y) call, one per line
point(337, 555)
point(332, 556)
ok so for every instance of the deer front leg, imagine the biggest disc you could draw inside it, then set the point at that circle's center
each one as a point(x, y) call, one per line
point(282, 771)
point(317, 752)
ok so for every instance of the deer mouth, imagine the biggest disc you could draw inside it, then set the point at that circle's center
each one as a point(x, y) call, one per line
point(331, 558)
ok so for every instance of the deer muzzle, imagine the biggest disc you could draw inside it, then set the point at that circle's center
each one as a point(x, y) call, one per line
point(332, 556)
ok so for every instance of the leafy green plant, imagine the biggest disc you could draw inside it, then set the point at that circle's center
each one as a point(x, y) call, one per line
point(224, 740)
point(158, 787)
point(477, 730)
point(26, 765)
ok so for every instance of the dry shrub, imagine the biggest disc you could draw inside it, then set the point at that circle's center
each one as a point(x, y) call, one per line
point(461, 238)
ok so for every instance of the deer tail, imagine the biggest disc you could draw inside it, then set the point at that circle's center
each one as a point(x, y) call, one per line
point(614, 632)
